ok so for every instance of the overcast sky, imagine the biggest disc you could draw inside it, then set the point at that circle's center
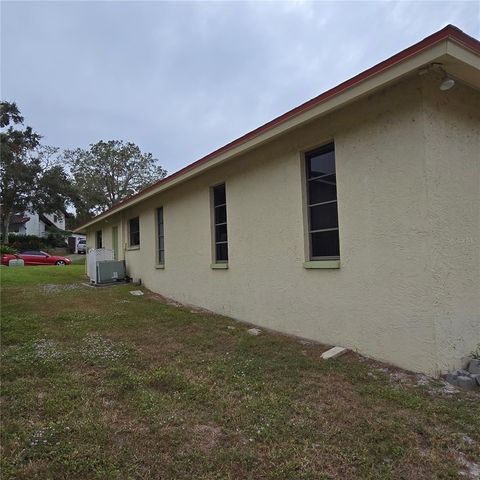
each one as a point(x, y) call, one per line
point(181, 79)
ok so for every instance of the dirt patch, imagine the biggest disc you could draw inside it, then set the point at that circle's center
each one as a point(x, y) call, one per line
point(470, 469)
point(204, 438)
point(174, 303)
point(155, 348)
point(51, 288)
point(162, 299)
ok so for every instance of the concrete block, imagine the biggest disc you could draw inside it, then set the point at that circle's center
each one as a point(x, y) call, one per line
point(474, 366)
point(476, 377)
point(334, 352)
point(466, 382)
point(452, 378)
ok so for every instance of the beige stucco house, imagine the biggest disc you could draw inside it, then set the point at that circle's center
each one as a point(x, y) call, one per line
point(352, 220)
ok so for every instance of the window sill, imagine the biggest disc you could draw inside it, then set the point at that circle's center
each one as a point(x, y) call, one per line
point(219, 266)
point(135, 247)
point(160, 267)
point(313, 264)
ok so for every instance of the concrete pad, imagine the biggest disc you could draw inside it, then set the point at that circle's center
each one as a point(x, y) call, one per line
point(474, 366)
point(334, 352)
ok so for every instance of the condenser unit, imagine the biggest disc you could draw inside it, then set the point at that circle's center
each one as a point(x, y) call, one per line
point(110, 271)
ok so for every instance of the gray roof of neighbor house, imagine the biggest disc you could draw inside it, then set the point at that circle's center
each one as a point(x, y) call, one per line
point(442, 46)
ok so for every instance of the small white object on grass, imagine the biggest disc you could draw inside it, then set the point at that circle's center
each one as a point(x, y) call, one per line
point(254, 331)
point(334, 352)
point(16, 263)
point(136, 292)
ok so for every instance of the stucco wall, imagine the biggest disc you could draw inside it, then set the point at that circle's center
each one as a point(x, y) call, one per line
point(107, 238)
point(452, 130)
point(386, 300)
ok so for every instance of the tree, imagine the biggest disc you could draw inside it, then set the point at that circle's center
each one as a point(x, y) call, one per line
point(28, 181)
point(107, 173)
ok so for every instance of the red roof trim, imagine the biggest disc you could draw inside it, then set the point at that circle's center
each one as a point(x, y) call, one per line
point(450, 31)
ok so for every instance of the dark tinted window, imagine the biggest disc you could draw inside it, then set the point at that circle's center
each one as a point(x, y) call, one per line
point(321, 161)
point(134, 231)
point(161, 240)
point(221, 252)
point(323, 216)
point(220, 223)
point(219, 196)
point(325, 244)
point(220, 214)
point(221, 232)
point(322, 189)
point(98, 239)
point(322, 203)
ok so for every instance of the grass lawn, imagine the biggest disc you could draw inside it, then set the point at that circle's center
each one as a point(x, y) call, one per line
point(97, 383)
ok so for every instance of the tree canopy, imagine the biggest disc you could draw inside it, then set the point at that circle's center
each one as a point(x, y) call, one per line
point(108, 172)
point(27, 181)
point(36, 177)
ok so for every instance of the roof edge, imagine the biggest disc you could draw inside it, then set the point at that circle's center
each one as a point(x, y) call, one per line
point(448, 32)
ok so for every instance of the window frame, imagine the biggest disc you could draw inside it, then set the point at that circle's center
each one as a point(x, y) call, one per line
point(306, 156)
point(130, 244)
point(218, 261)
point(160, 234)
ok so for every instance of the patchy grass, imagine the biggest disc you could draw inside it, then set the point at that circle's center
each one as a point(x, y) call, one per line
point(97, 383)
point(41, 275)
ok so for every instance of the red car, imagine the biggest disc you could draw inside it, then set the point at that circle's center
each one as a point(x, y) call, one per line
point(36, 257)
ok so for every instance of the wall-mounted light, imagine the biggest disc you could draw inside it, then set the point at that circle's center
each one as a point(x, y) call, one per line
point(447, 83)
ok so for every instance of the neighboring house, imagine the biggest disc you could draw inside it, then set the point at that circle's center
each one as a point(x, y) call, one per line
point(353, 219)
point(31, 223)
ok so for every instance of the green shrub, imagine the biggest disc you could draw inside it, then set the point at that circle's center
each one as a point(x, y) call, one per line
point(26, 242)
point(55, 240)
point(7, 249)
point(32, 242)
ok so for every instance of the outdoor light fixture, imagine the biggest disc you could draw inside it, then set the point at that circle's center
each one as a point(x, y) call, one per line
point(447, 83)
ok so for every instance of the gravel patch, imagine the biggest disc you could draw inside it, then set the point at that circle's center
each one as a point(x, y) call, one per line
point(51, 288)
point(98, 348)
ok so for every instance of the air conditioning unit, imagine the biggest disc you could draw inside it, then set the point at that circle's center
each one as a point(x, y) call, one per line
point(109, 271)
